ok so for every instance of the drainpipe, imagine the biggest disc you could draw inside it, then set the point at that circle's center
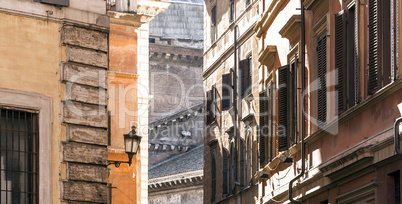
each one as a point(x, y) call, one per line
point(303, 67)
point(397, 131)
point(235, 128)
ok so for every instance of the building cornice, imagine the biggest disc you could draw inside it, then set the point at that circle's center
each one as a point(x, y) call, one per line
point(229, 51)
point(175, 181)
point(268, 16)
point(146, 10)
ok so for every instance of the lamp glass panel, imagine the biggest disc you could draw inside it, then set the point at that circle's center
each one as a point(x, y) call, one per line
point(129, 144)
point(135, 145)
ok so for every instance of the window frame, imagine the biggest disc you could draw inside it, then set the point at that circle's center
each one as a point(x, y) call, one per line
point(43, 104)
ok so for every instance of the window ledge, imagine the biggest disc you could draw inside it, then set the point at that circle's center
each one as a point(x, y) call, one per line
point(355, 110)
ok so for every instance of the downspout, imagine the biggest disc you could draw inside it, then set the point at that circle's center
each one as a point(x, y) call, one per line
point(235, 128)
point(303, 67)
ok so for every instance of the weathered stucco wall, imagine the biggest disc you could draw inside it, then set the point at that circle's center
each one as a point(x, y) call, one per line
point(29, 54)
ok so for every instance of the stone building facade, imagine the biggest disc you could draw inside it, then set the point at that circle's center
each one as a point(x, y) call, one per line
point(322, 107)
point(230, 91)
point(53, 101)
point(352, 89)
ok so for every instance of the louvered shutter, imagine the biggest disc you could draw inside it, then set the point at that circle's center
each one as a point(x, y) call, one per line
point(263, 129)
point(233, 168)
point(226, 91)
point(242, 162)
point(213, 179)
point(214, 103)
point(283, 108)
point(373, 47)
point(209, 107)
point(321, 74)
point(293, 102)
point(351, 46)
point(225, 171)
point(340, 61)
point(270, 143)
point(244, 77)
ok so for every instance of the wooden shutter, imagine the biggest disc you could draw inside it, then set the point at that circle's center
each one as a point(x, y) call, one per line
point(233, 168)
point(283, 108)
point(244, 77)
point(242, 162)
point(213, 179)
point(263, 129)
point(213, 24)
point(209, 107)
point(214, 103)
point(373, 47)
point(225, 171)
point(293, 102)
point(351, 22)
point(232, 11)
point(226, 91)
point(340, 61)
point(321, 74)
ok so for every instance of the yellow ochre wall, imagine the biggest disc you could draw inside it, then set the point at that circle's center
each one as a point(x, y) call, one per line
point(30, 61)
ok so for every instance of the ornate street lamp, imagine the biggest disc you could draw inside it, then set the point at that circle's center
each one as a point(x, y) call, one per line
point(132, 143)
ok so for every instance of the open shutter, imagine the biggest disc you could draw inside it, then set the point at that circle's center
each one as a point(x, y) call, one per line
point(263, 129)
point(244, 77)
point(209, 107)
point(283, 108)
point(293, 101)
point(321, 74)
point(213, 179)
point(214, 103)
point(225, 171)
point(373, 47)
point(242, 162)
point(340, 61)
point(226, 91)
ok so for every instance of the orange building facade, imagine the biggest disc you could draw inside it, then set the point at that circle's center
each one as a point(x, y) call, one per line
point(128, 96)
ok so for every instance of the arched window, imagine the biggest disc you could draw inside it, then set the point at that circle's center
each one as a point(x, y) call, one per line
point(225, 171)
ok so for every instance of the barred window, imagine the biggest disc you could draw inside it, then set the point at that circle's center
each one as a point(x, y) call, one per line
point(19, 142)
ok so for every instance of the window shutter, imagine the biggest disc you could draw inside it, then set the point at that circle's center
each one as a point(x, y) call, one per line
point(232, 10)
point(321, 74)
point(340, 61)
point(351, 47)
point(263, 129)
point(214, 103)
point(209, 107)
point(213, 178)
point(225, 171)
point(213, 24)
point(283, 104)
point(226, 91)
point(244, 78)
point(242, 162)
point(373, 46)
point(293, 101)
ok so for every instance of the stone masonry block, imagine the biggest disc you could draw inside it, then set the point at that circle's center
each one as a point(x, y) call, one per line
point(84, 75)
point(84, 153)
point(83, 191)
point(85, 134)
point(86, 56)
point(86, 94)
point(90, 173)
point(85, 38)
point(84, 114)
